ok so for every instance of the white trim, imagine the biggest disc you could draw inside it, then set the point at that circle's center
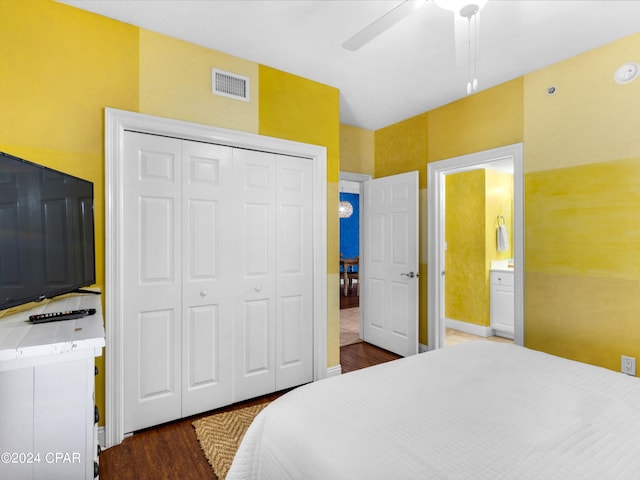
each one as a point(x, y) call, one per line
point(422, 348)
point(466, 327)
point(116, 122)
point(334, 371)
point(101, 438)
point(436, 172)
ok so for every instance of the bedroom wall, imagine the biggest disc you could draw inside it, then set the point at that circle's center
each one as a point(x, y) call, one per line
point(62, 66)
point(487, 119)
point(582, 208)
point(356, 150)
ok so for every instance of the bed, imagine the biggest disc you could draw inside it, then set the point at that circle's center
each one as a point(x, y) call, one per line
point(478, 410)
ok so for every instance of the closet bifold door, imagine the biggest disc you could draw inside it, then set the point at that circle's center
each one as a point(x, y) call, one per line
point(255, 303)
point(208, 276)
point(218, 275)
point(152, 291)
point(178, 226)
point(294, 272)
point(273, 312)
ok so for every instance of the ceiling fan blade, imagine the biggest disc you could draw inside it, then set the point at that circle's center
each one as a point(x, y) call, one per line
point(383, 23)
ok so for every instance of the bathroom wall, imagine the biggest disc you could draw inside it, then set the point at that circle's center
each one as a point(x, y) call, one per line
point(474, 199)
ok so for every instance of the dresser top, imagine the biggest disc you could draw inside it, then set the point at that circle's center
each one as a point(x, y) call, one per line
point(21, 339)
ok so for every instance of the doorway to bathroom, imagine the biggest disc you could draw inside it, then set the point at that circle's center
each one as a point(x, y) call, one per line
point(438, 173)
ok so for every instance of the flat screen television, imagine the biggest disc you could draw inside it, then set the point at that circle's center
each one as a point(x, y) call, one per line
point(47, 245)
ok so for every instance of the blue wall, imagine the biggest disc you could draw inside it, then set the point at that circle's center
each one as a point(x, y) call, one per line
point(350, 227)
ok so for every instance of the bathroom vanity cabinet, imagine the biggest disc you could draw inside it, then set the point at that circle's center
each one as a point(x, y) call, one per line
point(502, 302)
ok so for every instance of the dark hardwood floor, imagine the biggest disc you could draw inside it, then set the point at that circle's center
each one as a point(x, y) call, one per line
point(171, 451)
point(351, 299)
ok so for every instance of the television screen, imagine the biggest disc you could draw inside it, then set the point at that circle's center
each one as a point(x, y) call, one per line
point(46, 232)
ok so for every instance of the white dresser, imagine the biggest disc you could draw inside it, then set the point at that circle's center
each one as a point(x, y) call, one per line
point(48, 417)
point(502, 302)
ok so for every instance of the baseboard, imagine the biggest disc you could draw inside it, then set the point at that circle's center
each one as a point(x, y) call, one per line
point(466, 327)
point(422, 348)
point(334, 371)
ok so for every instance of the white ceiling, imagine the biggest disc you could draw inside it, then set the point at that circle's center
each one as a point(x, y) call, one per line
point(409, 69)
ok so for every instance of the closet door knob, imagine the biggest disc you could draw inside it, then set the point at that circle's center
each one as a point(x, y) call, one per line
point(203, 293)
point(258, 288)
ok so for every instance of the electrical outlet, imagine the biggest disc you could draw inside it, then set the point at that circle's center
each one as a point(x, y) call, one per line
point(628, 365)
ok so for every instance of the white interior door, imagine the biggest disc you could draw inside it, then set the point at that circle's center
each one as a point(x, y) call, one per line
point(390, 263)
point(208, 272)
point(294, 272)
point(178, 293)
point(152, 291)
point(273, 319)
point(254, 309)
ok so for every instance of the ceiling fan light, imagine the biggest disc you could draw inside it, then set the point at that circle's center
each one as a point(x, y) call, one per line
point(456, 6)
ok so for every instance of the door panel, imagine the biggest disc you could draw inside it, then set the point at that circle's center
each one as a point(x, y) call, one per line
point(390, 263)
point(294, 272)
point(207, 276)
point(156, 353)
point(152, 287)
point(254, 307)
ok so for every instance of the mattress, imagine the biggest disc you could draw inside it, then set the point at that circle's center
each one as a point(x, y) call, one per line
point(478, 410)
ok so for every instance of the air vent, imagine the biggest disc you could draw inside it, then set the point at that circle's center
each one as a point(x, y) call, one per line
point(230, 85)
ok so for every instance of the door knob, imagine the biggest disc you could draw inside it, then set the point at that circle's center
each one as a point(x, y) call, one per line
point(203, 293)
point(258, 288)
point(410, 274)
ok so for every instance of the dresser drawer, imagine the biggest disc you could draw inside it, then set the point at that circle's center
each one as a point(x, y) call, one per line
point(502, 278)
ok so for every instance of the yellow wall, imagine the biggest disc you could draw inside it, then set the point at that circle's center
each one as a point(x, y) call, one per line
point(474, 199)
point(402, 147)
point(488, 119)
point(62, 66)
point(356, 150)
point(466, 296)
point(498, 201)
point(582, 208)
point(175, 82)
point(485, 120)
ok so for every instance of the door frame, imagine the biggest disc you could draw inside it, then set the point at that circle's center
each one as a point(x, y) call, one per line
point(116, 123)
point(359, 178)
point(436, 172)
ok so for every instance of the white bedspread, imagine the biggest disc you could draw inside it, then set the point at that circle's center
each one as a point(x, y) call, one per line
point(474, 411)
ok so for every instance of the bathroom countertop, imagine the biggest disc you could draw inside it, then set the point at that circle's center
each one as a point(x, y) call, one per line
point(501, 266)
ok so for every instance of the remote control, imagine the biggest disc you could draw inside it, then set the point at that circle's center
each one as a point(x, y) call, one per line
point(57, 316)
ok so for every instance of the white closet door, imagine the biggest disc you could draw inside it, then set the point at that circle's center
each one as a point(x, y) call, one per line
point(255, 305)
point(273, 324)
point(294, 279)
point(208, 275)
point(153, 292)
point(218, 276)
